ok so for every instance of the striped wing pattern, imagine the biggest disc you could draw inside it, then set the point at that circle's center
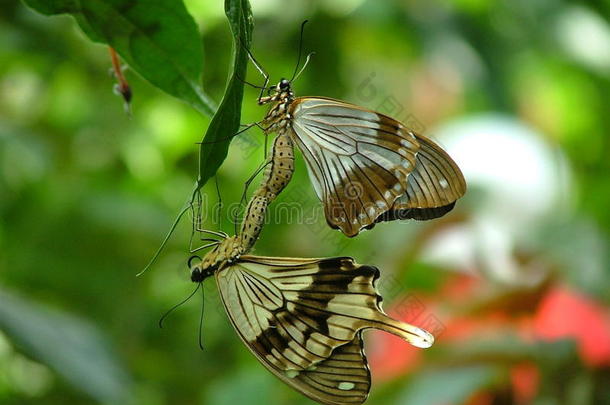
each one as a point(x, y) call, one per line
point(433, 187)
point(358, 160)
point(342, 378)
point(295, 315)
point(368, 168)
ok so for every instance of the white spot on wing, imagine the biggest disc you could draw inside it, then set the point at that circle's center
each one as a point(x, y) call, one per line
point(443, 183)
point(291, 373)
point(346, 386)
point(382, 204)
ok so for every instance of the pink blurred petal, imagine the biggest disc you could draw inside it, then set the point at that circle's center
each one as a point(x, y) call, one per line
point(564, 313)
point(525, 378)
point(391, 356)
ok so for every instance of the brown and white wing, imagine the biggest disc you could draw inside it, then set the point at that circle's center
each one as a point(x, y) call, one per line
point(358, 160)
point(433, 187)
point(343, 378)
point(293, 314)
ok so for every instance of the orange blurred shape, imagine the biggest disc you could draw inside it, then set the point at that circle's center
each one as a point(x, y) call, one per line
point(391, 356)
point(480, 398)
point(525, 378)
point(564, 313)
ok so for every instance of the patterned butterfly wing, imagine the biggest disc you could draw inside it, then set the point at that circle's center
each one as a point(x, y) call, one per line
point(358, 160)
point(433, 187)
point(294, 314)
point(343, 378)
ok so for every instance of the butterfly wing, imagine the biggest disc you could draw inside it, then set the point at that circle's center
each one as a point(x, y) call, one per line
point(294, 314)
point(343, 378)
point(358, 160)
point(433, 186)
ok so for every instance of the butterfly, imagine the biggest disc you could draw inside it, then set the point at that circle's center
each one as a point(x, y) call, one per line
point(303, 318)
point(365, 167)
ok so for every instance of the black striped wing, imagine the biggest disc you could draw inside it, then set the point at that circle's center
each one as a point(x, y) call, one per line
point(358, 160)
point(342, 378)
point(295, 315)
point(433, 187)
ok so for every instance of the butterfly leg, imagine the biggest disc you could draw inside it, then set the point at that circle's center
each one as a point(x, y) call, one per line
point(258, 67)
point(251, 179)
point(214, 243)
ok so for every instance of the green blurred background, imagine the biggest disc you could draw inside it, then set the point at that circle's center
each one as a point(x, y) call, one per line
point(514, 282)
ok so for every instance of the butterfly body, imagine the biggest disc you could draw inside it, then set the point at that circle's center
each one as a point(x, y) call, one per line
point(366, 167)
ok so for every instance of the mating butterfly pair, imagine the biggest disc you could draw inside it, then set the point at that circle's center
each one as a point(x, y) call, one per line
point(303, 318)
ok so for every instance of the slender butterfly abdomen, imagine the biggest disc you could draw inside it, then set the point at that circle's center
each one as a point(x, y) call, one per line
point(277, 175)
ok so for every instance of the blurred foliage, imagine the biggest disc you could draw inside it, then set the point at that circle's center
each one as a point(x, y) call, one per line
point(87, 195)
point(160, 43)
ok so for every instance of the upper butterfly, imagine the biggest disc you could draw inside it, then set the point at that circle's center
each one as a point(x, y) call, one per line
point(365, 166)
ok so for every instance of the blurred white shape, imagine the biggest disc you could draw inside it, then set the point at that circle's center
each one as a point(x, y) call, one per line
point(454, 51)
point(514, 180)
point(585, 36)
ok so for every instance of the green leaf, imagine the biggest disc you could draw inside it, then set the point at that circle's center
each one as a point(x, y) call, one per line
point(225, 123)
point(157, 38)
point(73, 348)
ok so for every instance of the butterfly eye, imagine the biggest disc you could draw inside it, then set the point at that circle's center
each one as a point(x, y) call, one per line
point(284, 84)
point(197, 276)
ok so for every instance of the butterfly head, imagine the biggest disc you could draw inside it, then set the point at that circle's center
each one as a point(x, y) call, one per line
point(283, 85)
point(281, 92)
point(199, 274)
point(201, 270)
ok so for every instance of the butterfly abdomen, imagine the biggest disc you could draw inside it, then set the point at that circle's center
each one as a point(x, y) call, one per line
point(253, 221)
point(276, 177)
point(279, 172)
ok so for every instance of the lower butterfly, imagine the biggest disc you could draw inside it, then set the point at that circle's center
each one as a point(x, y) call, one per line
point(302, 318)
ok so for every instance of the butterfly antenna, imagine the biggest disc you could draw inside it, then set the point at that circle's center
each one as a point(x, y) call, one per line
point(296, 68)
point(177, 305)
point(304, 65)
point(201, 320)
